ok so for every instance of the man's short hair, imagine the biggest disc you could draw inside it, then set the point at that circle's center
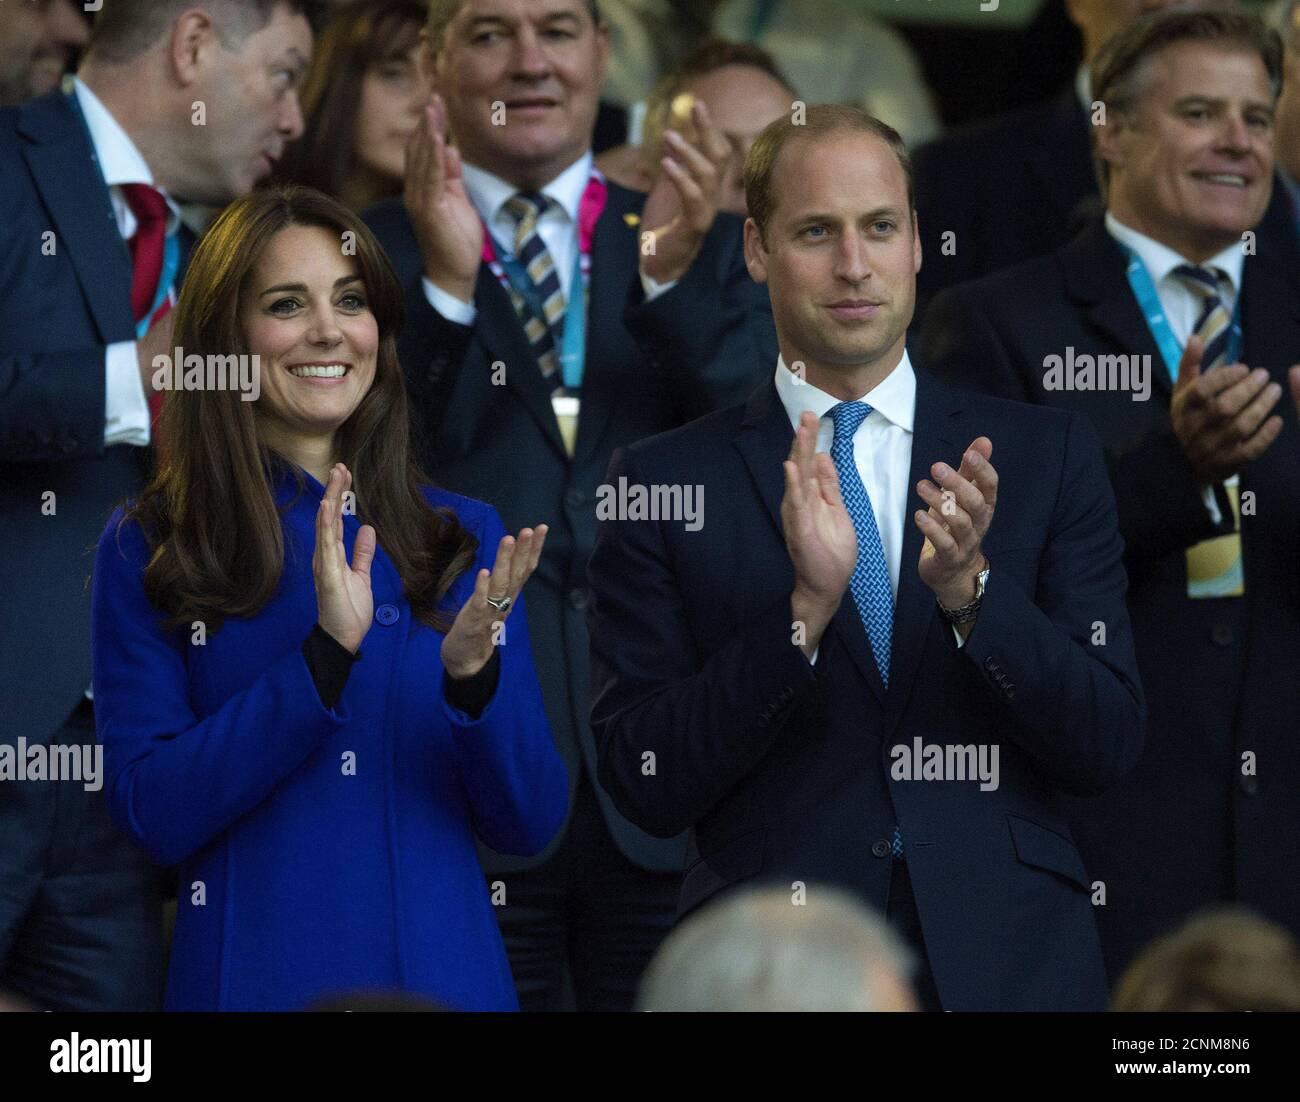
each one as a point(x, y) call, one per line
point(819, 120)
point(756, 950)
point(443, 12)
point(124, 29)
point(1120, 69)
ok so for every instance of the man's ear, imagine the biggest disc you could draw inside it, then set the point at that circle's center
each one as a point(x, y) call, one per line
point(916, 243)
point(755, 254)
point(602, 54)
point(191, 45)
point(1110, 127)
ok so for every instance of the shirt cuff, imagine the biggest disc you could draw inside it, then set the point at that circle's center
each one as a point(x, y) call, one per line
point(472, 694)
point(329, 662)
point(126, 410)
point(654, 289)
point(958, 636)
point(447, 304)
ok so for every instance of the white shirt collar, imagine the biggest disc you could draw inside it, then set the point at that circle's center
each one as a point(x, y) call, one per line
point(119, 159)
point(893, 398)
point(488, 192)
point(1160, 260)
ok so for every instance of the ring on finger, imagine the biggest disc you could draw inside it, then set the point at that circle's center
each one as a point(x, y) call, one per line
point(501, 604)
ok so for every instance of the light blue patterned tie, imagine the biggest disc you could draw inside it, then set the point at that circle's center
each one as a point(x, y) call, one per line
point(870, 581)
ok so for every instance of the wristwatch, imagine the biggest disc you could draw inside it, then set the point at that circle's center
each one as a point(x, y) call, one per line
point(967, 613)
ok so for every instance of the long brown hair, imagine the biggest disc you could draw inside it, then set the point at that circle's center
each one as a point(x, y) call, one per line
point(360, 36)
point(209, 514)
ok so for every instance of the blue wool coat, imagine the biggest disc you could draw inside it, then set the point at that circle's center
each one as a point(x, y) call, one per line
point(320, 851)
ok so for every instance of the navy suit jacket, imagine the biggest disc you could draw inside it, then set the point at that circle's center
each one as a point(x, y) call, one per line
point(63, 299)
point(783, 771)
point(650, 366)
point(1010, 188)
point(1188, 827)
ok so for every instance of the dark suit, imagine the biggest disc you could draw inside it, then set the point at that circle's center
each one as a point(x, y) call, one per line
point(1010, 188)
point(1187, 827)
point(782, 770)
point(650, 366)
point(58, 312)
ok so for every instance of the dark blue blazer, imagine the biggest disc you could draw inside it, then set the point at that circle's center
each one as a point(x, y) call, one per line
point(333, 848)
point(1188, 827)
point(59, 310)
point(651, 366)
point(782, 770)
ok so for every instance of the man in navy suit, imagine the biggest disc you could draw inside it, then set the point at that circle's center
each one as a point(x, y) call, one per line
point(497, 238)
point(1145, 324)
point(174, 101)
point(829, 683)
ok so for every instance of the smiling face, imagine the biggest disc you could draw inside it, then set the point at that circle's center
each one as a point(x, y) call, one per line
point(304, 312)
point(252, 109)
point(841, 255)
point(545, 61)
point(1191, 165)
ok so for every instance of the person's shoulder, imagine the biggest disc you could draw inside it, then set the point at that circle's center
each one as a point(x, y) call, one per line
point(123, 539)
point(472, 513)
point(690, 442)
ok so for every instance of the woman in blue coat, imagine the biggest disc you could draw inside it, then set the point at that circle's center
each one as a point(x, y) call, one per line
point(312, 674)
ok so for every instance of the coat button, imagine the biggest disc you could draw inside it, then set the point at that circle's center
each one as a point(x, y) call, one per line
point(989, 664)
point(880, 849)
point(1222, 635)
point(578, 598)
point(1248, 784)
point(387, 614)
point(574, 499)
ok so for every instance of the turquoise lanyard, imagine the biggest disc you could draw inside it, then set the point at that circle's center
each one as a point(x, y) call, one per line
point(1170, 350)
point(171, 247)
point(573, 342)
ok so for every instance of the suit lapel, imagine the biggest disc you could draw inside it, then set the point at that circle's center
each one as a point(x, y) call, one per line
point(66, 174)
point(504, 339)
point(1093, 266)
point(936, 436)
point(614, 260)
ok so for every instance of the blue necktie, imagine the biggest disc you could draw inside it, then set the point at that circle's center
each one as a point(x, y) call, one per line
point(869, 583)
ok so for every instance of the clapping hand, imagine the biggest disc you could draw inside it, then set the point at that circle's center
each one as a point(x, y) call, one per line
point(467, 647)
point(445, 222)
point(345, 606)
point(684, 200)
point(961, 510)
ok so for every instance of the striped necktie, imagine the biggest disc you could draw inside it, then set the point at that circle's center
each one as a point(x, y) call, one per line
point(1214, 322)
point(544, 333)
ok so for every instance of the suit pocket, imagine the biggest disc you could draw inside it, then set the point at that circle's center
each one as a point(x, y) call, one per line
point(1041, 848)
point(737, 859)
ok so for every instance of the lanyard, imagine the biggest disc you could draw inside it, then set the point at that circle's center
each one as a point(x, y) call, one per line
point(573, 331)
point(1170, 350)
point(171, 246)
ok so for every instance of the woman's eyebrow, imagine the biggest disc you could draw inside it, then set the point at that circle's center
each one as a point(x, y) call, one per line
point(302, 287)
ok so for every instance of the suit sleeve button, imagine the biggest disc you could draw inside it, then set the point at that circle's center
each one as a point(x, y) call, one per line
point(578, 599)
point(880, 848)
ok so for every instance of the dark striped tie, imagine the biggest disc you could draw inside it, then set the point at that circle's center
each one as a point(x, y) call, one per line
point(544, 333)
point(1214, 322)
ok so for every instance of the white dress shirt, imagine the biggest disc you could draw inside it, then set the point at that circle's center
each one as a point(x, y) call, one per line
point(557, 225)
point(882, 448)
point(1181, 305)
point(126, 410)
